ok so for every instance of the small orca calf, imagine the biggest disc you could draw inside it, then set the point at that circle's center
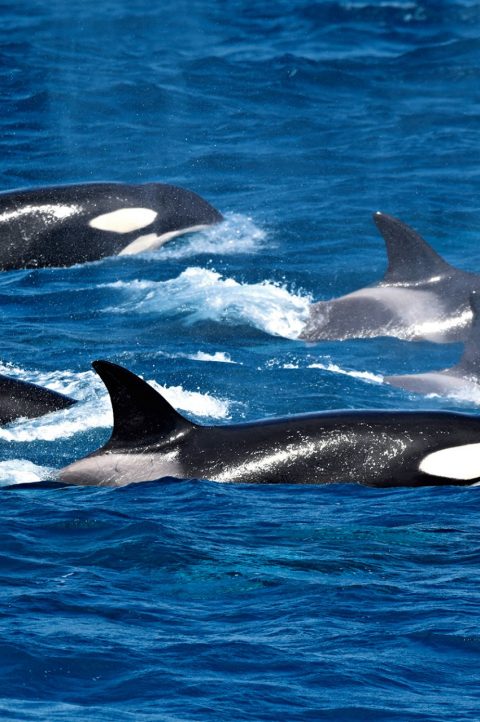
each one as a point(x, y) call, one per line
point(461, 379)
point(20, 399)
point(421, 297)
point(151, 440)
point(64, 225)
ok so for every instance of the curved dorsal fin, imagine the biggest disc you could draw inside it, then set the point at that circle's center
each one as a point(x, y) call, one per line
point(469, 363)
point(141, 415)
point(410, 258)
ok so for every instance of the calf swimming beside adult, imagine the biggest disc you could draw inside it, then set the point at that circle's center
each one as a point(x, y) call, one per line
point(151, 440)
point(421, 297)
point(64, 225)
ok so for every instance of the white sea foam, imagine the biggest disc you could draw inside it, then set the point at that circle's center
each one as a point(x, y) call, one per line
point(21, 471)
point(218, 356)
point(77, 385)
point(364, 375)
point(60, 424)
point(237, 234)
point(94, 410)
point(194, 402)
point(468, 395)
point(204, 295)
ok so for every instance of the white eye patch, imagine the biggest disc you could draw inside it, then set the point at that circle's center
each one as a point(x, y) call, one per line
point(458, 462)
point(125, 220)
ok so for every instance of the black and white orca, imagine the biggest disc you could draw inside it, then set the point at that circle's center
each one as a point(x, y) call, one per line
point(421, 297)
point(24, 400)
point(64, 225)
point(150, 440)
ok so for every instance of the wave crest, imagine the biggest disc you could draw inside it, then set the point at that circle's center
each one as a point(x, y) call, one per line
point(204, 295)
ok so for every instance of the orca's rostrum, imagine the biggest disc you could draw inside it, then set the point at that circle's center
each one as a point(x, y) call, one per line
point(151, 440)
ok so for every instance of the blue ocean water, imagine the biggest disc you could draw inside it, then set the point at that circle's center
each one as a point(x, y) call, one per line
point(189, 600)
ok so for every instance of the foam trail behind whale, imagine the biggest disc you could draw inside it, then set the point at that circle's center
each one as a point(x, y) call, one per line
point(22, 471)
point(204, 295)
point(237, 234)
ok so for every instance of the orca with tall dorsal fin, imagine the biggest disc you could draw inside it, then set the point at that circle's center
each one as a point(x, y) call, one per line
point(151, 440)
point(462, 379)
point(24, 400)
point(420, 298)
point(65, 225)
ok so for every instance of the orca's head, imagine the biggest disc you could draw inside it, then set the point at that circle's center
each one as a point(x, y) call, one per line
point(179, 208)
point(156, 212)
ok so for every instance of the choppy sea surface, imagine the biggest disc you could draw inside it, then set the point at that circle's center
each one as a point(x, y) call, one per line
point(188, 600)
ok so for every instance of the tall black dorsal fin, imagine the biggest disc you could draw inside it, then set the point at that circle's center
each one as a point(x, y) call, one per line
point(141, 416)
point(469, 363)
point(410, 258)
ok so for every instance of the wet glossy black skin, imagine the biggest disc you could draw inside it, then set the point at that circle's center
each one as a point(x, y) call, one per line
point(36, 231)
point(20, 399)
point(151, 440)
point(382, 449)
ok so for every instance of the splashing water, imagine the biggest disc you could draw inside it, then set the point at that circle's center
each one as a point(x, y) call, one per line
point(217, 357)
point(21, 471)
point(237, 234)
point(194, 402)
point(204, 295)
point(365, 375)
point(94, 410)
point(77, 385)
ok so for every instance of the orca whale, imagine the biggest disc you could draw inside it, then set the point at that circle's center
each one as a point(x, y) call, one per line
point(64, 225)
point(21, 399)
point(461, 379)
point(421, 297)
point(150, 440)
